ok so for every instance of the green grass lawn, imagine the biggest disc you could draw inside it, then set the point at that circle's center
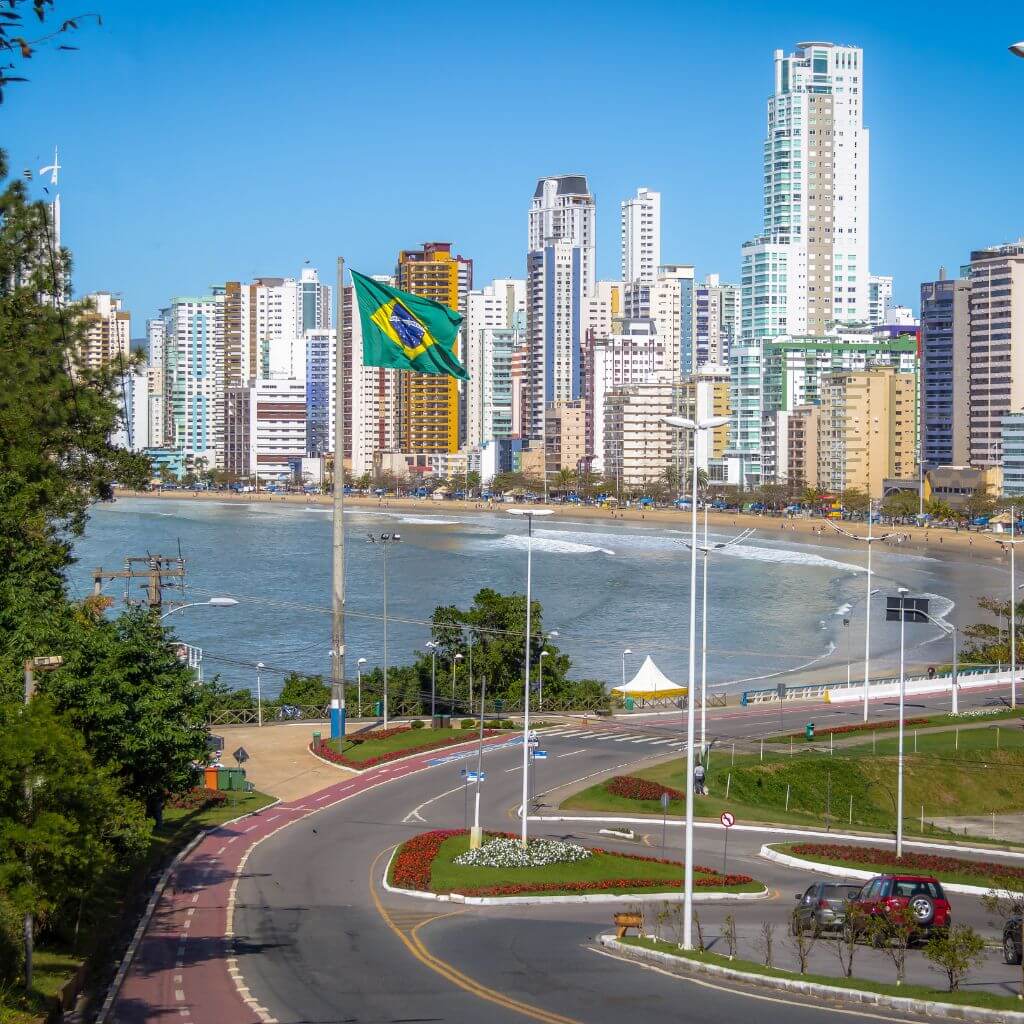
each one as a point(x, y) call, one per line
point(51, 971)
point(931, 722)
point(406, 741)
point(968, 997)
point(976, 779)
point(447, 876)
point(981, 877)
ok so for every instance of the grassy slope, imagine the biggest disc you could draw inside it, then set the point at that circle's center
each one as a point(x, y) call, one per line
point(408, 741)
point(932, 720)
point(53, 967)
point(449, 877)
point(968, 997)
point(976, 779)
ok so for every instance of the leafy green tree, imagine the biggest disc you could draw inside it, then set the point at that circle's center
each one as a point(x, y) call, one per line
point(955, 952)
point(136, 705)
point(901, 505)
point(980, 503)
point(217, 696)
point(304, 690)
point(854, 500)
point(69, 826)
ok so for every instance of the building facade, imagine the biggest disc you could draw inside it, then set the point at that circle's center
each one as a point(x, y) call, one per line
point(107, 332)
point(879, 298)
point(641, 236)
point(639, 447)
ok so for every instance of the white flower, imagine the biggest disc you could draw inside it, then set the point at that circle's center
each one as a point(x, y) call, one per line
point(510, 853)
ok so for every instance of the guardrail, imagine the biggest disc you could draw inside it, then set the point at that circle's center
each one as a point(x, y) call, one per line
point(816, 691)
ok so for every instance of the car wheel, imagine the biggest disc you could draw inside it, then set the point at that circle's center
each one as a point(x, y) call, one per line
point(922, 910)
point(1011, 951)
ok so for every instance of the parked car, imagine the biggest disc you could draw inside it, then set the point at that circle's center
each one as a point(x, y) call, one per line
point(920, 894)
point(823, 906)
point(1013, 946)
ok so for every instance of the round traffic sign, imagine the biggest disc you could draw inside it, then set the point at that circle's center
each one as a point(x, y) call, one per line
point(727, 819)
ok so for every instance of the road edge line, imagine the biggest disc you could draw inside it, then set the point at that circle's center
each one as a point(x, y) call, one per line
point(925, 1008)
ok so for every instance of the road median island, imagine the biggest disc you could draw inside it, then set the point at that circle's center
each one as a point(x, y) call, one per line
point(437, 864)
point(910, 999)
point(380, 746)
point(959, 874)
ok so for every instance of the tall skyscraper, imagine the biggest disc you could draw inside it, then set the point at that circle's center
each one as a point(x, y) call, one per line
point(108, 332)
point(945, 372)
point(879, 298)
point(560, 277)
point(997, 346)
point(809, 267)
point(641, 236)
point(429, 405)
point(669, 302)
point(715, 321)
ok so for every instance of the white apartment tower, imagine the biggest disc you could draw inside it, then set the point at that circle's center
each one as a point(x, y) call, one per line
point(641, 236)
point(560, 278)
point(879, 298)
point(107, 332)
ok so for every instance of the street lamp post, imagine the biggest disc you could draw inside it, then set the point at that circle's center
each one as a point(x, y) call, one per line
point(214, 602)
point(386, 540)
point(899, 771)
point(259, 694)
point(33, 665)
point(540, 678)
point(624, 653)
point(475, 835)
point(1012, 545)
point(359, 685)
point(530, 513)
point(455, 661)
point(432, 647)
point(695, 426)
point(950, 630)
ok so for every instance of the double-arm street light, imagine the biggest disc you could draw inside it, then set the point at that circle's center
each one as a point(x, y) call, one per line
point(1017, 49)
point(695, 427)
point(530, 513)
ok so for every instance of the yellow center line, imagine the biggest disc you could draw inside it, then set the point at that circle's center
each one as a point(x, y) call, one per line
point(414, 944)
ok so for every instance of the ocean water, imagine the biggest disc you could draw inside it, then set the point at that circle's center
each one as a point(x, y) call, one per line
point(776, 608)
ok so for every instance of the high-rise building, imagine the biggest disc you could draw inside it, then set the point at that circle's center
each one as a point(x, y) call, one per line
point(997, 346)
point(715, 317)
point(945, 372)
point(194, 375)
point(560, 277)
point(670, 303)
point(879, 298)
point(565, 436)
point(808, 268)
point(791, 447)
point(639, 447)
point(107, 332)
point(429, 404)
point(499, 307)
point(602, 308)
point(321, 353)
point(641, 236)
point(867, 429)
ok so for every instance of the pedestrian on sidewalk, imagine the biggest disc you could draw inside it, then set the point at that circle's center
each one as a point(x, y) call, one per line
point(698, 780)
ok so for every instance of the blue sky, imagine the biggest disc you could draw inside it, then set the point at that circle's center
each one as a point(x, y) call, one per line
point(205, 142)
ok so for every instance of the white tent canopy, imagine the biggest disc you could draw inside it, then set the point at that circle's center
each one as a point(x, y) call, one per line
point(650, 682)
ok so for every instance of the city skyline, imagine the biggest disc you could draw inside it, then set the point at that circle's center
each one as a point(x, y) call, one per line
point(476, 200)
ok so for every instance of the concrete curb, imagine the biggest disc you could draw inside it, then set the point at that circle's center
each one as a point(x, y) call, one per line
point(922, 1007)
point(837, 870)
point(597, 897)
point(783, 830)
point(397, 760)
point(147, 914)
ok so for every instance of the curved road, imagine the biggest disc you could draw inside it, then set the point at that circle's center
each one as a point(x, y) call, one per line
point(317, 940)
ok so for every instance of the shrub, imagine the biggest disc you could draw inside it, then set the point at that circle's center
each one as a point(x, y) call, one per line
point(632, 787)
point(955, 953)
point(468, 723)
point(198, 799)
point(332, 755)
point(12, 949)
point(507, 723)
point(417, 723)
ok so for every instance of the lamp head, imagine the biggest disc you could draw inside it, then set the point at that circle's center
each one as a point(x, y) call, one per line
point(713, 421)
point(1017, 49)
point(530, 511)
point(681, 422)
point(627, 651)
point(222, 602)
point(545, 654)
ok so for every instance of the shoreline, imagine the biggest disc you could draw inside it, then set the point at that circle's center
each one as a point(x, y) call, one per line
point(935, 542)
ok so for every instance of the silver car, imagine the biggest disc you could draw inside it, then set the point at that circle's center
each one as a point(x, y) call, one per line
point(823, 906)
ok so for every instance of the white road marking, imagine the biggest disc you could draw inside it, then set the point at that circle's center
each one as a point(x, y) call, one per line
point(326, 796)
point(179, 994)
point(517, 768)
point(221, 850)
point(643, 739)
point(414, 814)
point(572, 752)
point(659, 743)
point(622, 739)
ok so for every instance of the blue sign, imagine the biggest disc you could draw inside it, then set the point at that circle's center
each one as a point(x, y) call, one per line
point(476, 776)
point(539, 755)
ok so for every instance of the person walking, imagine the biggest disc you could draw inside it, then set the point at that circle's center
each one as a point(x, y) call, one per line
point(698, 780)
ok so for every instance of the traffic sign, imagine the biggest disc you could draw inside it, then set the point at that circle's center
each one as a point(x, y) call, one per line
point(473, 776)
point(727, 819)
point(539, 755)
point(241, 755)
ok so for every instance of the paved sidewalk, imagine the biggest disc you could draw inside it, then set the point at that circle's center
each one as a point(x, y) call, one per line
point(1008, 827)
point(280, 762)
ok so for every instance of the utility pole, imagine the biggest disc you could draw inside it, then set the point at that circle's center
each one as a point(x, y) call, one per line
point(338, 545)
point(154, 569)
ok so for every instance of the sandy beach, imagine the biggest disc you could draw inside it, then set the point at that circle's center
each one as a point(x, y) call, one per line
point(936, 542)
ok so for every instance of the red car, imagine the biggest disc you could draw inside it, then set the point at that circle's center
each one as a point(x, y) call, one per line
point(921, 895)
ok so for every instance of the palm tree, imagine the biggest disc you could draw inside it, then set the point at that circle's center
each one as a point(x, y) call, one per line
point(702, 480)
point(564, 481)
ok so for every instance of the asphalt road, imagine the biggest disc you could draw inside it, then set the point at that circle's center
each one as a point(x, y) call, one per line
point(317, 940)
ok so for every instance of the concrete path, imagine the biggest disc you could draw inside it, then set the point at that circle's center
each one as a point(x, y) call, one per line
point(1007, 827)
point(280, 762)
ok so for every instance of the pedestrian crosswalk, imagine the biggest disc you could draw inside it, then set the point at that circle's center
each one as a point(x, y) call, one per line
point(607, 736)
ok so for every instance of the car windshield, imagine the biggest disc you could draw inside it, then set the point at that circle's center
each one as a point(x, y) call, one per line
point(917, 887)
point(839, 892)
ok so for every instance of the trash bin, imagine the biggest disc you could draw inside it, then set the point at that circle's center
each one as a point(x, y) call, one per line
point(210, 778)
point(224, 778)
point(629, 703)
point(809, 731)
point(317, 741)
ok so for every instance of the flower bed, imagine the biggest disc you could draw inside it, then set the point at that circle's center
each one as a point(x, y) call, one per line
point(378, 734)
point(198, 799)
point(632, 787)
point(500, 852)
point(328, 753)
point(414, 861)
point(842, 730)
point(924, 863)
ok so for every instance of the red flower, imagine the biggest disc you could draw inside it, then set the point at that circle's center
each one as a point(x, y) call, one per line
point(632, 787)
point(332, 755)
point(926, 863)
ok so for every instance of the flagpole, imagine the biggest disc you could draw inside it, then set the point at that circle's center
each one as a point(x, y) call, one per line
point(338, 536)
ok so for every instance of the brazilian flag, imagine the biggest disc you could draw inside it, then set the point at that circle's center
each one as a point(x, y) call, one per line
point(405, 331)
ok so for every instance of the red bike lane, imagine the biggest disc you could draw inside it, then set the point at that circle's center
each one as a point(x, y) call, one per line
point(183, 968)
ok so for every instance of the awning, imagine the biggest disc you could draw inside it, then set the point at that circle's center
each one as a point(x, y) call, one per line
point(650, 682)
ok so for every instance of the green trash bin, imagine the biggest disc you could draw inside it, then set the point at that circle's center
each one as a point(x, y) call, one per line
point(224, 778)
point(629, 703)
point(809, 731)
